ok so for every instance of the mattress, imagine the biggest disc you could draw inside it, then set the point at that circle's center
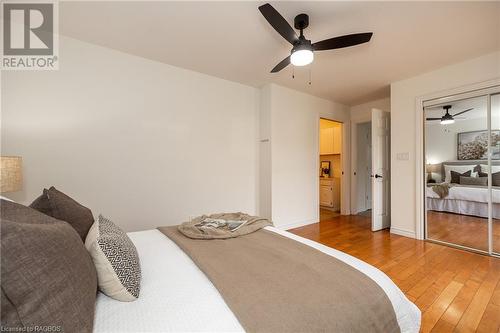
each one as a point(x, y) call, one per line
point(177, 297)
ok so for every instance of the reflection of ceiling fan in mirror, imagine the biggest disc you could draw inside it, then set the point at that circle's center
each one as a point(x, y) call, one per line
point(449, 118)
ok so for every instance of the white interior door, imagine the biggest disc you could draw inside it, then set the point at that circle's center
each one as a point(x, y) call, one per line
point(380, 170)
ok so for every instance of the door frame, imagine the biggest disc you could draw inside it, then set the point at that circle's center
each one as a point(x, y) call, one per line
point(419, 143)
point(344, 161)
point(354, 160)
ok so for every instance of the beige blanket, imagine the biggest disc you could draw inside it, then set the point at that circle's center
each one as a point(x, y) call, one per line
point(250, 224)
point(442, 189)
point(276, 284)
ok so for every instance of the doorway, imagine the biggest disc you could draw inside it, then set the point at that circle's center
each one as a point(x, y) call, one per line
point(371, 176)
point(330, 168)
point(364, 168)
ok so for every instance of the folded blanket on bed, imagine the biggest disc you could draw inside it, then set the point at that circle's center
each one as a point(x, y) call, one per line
point(442, 189)
point(276, 284)
point(223, 225)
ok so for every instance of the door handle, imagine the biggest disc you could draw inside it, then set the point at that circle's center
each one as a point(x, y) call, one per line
point(376, 176)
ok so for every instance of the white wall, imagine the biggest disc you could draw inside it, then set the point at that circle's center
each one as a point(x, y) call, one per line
point(441, 141)
point(294, 140)
point(403, 128)
point(144, 143)
point(359, 114)
point(363, 112)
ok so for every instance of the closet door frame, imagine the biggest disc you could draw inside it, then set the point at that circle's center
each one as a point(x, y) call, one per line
point(486, 89)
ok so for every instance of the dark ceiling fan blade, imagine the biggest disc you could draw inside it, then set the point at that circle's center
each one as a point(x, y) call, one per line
point(456, 114)
point(432, 118)
point(342, 41)
point(283, 63)
point(278, 23)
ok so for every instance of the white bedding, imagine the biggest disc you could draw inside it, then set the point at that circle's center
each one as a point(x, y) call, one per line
point(467, 193)
point(177, 297)
point(465, 200)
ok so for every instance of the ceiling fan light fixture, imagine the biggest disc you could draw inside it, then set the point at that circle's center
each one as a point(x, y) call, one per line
point(447, 121)
point(302, 57)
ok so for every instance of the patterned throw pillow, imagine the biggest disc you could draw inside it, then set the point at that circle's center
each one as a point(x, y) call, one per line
point(116, 260)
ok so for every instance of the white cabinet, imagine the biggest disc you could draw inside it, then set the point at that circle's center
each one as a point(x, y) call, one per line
point(330, 141)
point(337, 140)
point(329, 192)
point(326, 195)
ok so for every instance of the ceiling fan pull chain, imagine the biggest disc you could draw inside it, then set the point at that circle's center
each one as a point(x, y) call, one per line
point(293, 72)
point(309, 75)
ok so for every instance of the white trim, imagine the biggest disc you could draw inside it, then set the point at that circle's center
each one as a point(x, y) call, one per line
point(419, 143)
point(296, 224)
point(403, 232)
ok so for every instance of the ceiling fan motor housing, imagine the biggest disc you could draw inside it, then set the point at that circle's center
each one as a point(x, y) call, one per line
point(302, 44)
point(301, 21)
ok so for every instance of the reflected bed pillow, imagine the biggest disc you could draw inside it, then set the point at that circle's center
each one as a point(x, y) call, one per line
point(485, 168)
point(459, 169)
point(495, 178)
point(455, 176)
point(476, 181)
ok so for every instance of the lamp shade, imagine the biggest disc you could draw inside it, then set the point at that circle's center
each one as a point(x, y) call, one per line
point(11, 178)
point(433, 168)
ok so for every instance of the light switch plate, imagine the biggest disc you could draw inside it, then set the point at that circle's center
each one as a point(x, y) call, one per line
point(403, 156)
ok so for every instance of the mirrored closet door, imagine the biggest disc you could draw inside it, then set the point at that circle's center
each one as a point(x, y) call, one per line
point(462, 170)
point(495, 156)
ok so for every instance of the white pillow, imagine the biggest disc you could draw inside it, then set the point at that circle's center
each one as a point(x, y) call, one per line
point(116, 260)
point(485, 168)
point(458, 168)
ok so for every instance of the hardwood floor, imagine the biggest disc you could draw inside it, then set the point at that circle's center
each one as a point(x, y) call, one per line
point(327, 215)
point(463, 230)
point(457, 291)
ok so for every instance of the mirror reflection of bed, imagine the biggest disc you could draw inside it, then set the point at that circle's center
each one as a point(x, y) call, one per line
point(457, 171)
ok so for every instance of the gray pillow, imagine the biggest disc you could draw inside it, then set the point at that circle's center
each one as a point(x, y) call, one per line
point(60, 206)
point(455, 176)
point(479, 181)
point(495, 178)
point(47, 276)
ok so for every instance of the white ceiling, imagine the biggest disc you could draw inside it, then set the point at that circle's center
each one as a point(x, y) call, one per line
point(232, 40)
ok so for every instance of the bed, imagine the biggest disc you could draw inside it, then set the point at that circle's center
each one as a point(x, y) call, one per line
point(177, 291)
point(465, 200)
point(176, 296)
point(468, 200)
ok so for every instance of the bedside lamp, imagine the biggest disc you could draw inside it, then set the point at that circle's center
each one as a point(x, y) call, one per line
point(11, 178)
point(430, 169)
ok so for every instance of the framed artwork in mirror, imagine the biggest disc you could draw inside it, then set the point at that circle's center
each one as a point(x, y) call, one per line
point(474, 145)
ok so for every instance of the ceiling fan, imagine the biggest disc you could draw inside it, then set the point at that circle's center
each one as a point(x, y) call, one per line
point(448, 118)
point(303, 50)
